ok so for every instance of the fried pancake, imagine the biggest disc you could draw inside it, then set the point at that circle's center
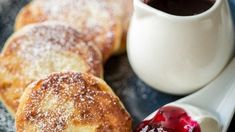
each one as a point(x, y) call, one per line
point(104, 20)
point(39, 50)
point(71, 102)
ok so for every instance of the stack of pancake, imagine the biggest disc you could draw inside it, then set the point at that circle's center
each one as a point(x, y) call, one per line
point(51, 68)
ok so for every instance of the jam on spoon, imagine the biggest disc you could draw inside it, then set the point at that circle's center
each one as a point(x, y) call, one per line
point(169, 119)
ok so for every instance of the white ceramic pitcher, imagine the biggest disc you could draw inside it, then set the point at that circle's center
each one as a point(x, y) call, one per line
point(179, 54)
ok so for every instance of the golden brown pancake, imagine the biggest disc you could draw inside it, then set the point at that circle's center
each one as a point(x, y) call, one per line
point(104, 20)
point(71, 102)
point(39, 50)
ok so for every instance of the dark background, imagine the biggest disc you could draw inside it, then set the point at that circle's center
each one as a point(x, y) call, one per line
point(139, 99)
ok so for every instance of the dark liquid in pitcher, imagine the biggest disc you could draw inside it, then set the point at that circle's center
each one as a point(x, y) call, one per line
point(181, 7)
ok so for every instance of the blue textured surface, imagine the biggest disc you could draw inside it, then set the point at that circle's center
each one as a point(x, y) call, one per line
point(232, 6)
point(139, 99)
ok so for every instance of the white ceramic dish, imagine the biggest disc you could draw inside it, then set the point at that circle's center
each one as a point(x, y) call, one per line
point(215, 102)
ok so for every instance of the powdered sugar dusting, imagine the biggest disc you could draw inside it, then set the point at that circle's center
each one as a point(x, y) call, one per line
point(70, 99)
point(103, 20)
point(39, 50)
point(50, 47)
point(91, 14)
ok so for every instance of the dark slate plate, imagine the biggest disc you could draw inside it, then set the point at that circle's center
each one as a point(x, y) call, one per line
point(139, 99)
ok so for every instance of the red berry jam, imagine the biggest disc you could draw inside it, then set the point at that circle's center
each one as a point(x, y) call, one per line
point(169, 119)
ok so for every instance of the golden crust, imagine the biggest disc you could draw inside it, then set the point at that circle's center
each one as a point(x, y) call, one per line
point(27, 16)
point(104, 20)
point(39, 50)
point(71, 102)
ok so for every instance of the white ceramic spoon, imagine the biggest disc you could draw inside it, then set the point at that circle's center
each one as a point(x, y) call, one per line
point(217, 98)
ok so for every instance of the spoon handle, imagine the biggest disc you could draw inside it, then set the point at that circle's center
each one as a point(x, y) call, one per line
point(227, 107)
point(218, 97)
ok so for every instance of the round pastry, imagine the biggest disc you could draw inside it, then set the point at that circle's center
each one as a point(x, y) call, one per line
point(39, 50)
point(104, 20)
point(71, 102)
